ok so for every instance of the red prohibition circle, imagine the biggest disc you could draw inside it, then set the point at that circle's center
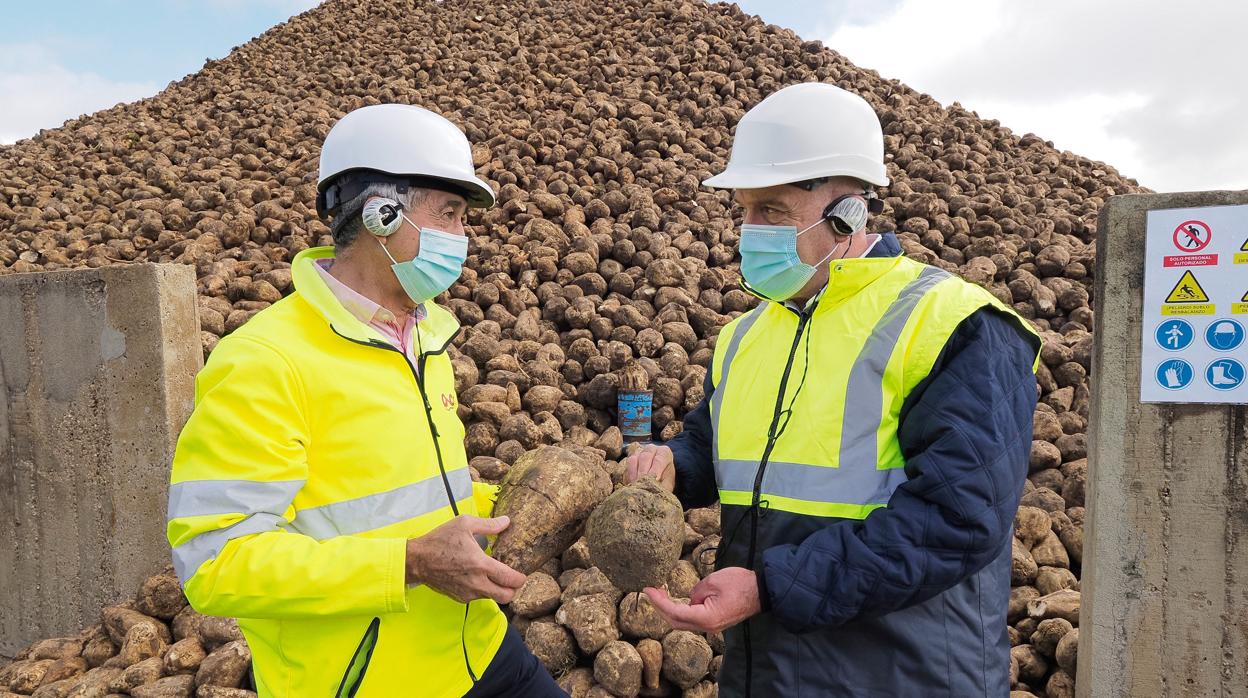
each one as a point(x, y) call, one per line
point(1184, 237)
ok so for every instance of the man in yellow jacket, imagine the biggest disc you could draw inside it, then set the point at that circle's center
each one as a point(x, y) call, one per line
point(320, 490)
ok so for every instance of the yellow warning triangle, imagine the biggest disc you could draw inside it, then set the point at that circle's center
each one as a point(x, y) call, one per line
point(1188, 290)
point(1244, 247)
point(1245, 298)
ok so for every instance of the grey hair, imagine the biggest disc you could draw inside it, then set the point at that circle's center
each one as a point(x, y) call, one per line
point(349, 222)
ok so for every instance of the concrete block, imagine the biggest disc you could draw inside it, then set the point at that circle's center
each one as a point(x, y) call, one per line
point(98, 370)
point(1165, 574)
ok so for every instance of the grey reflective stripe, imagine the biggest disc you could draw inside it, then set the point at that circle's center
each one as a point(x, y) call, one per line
point(812, 483)
point(865, 390)
point(717, 397)
point(207, 497)
point(190, 555)
point(857, 481)
point(382, 509)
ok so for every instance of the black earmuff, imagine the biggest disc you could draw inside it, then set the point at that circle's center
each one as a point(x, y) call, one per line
point(382, 216)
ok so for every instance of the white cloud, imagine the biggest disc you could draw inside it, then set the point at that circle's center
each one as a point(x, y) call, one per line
point(1153, 89)
point(37, 92)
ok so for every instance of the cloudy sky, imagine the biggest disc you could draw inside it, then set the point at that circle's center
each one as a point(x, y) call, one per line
point(1156, 89)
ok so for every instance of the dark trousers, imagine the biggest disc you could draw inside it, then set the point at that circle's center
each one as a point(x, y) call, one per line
point(514, 671)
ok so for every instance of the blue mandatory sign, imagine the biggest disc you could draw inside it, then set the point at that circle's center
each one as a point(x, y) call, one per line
point(1174, 335)
point(1175, 374)
point(1224, 335)
point(1225, 374)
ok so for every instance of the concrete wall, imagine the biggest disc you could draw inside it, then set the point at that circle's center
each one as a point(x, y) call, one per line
point(1165, 574)
point(97, 367)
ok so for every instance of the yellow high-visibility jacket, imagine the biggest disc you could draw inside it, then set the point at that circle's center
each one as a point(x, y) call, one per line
point(315, 451)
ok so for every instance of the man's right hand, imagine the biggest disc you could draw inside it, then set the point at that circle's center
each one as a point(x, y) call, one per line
point(653, 461)
point(449, 560)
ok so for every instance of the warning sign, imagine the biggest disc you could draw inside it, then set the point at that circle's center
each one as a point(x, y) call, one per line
point(1187, 290)
point(1195, 311)
point(1188, 298)
point(1240, 308)
point(1192, 236)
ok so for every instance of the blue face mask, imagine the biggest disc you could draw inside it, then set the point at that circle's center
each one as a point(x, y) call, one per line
point(770, 263)
point(435, 268)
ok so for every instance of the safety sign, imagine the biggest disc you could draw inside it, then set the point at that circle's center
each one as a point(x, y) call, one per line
point(1174, 374)
point(1188, 297)
point(1225, 335)
point(1174, 335)
point(1225, 374)
point(1195, 345)
point(1187, 290)
point(1192, 236)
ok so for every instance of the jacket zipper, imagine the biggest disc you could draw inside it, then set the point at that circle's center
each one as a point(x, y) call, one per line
point(354, 675)
point(772, 437)
point(420, 388)
point(437, 448)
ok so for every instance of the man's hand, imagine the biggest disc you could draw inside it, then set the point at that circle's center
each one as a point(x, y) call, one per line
point(726, 597)
point(449, 560)
point(653, 461)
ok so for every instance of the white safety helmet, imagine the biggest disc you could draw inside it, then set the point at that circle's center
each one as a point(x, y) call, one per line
point(406, 144)
point(805, 131)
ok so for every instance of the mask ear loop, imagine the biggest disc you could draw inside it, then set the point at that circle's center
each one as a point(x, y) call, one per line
point(848, 240)
point(385, 248)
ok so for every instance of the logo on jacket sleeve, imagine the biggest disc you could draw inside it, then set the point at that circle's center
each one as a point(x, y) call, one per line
point(448, 400)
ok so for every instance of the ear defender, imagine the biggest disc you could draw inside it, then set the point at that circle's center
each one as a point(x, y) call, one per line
point(382, 216)
point(848, 214)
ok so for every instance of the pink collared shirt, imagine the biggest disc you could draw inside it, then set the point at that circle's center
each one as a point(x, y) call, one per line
point(397, 331)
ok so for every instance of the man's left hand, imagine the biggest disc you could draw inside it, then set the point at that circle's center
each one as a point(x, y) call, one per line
point(726, 597)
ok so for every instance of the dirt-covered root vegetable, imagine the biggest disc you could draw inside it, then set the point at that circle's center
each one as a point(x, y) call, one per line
point(547, 493)
point(225, 667)
point(591, 619)
point(635, 537)
point(618, 668)
point(1067, 652)
point(538, 597)
point(651, 652)
point(686, 658)
point(1059, 604)
point(553, 645)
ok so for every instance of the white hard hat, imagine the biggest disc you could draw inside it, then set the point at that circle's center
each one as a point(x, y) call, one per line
point(805, 131)
point(1224, 327)
point(406, 142)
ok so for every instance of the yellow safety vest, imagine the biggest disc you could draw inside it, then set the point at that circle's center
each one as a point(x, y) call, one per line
point(315, 451)
point(814, 398)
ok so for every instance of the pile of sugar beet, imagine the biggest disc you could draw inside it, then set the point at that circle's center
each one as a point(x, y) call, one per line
point(596, 121)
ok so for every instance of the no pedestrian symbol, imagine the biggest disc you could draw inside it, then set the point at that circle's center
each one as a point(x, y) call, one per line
point(1192, 236)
